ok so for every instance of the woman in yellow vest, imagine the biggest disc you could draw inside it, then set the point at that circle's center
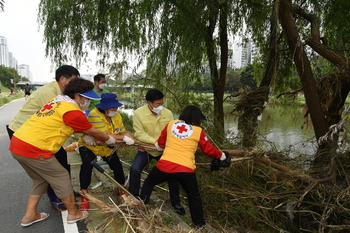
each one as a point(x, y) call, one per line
point(180, 138)
point(105, 118)
point(34, 144)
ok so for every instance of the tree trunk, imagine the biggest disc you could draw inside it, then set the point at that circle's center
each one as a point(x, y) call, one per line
point(304, 68)
point(253, 104)
point(218, 81)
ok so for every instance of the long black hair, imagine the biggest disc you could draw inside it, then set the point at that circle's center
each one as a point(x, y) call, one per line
point(192, 115)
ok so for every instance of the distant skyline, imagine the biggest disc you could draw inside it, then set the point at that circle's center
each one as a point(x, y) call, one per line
point(20, 27)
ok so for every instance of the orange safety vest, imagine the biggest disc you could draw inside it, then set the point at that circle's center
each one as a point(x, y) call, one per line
point(181, 144)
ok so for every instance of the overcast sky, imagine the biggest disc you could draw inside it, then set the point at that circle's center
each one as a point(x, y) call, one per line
point(18, 23)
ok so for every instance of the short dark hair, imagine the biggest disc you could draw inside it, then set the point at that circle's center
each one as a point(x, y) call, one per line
point(78, 85)
point(98, 77)
point(192, 115)
point(154, 94)
point(67, 71)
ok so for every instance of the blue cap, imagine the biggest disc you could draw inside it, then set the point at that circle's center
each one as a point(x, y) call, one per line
point(91, 95)
point(108, 100)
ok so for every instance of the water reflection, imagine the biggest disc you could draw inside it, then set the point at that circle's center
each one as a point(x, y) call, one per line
point(282, 128)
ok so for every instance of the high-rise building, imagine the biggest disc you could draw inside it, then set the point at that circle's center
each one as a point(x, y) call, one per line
point(8, 60)
point(12, 61)
point(4, 54)
point(248, 54)
point(24, 71)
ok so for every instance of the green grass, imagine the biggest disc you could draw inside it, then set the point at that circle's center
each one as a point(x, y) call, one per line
point(5, 97)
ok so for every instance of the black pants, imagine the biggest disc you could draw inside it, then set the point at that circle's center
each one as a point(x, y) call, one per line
point(188, 181)
point(141, 159)
point(61, 156)
point(87, 156)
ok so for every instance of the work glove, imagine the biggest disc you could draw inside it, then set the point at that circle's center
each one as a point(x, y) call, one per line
point(110, 141)
point(158, 147)
point(89, 140)
point(128, 140)
point(225, 160)
point(215, 165)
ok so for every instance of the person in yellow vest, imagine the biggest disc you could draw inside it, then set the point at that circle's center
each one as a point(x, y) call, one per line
point(106, 119)
point(63, 75)
point(49, 128)
point(180, 138)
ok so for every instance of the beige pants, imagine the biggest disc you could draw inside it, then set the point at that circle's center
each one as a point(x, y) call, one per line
point(44, 172)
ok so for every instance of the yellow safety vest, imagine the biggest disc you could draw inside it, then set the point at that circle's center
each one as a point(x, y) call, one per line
point(181, 144)
point(99, 121)
point(46, 129)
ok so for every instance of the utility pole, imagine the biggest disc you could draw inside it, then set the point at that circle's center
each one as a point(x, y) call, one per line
point(14, 81)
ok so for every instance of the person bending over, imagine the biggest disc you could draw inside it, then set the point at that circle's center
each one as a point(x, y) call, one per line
point(106, 119)
point(180, 138)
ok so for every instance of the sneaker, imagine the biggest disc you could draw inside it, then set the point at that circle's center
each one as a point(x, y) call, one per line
point(58, 205)
point(179, 209)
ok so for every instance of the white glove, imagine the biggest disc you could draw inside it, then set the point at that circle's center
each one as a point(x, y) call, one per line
point(110, 141)
point(89, 140)
point(223, 156)
point(128, 140)
point(158, 147)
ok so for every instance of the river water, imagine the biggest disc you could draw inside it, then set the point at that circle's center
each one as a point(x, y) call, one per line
point(282, 128)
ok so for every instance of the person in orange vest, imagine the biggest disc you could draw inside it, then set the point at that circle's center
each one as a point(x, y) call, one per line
point(179, 140)
point(49, 129)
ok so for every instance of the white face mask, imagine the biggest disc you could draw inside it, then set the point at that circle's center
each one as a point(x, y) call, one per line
point(86, 104)
point(111, 113)
point(102, 85)
point(158, 109)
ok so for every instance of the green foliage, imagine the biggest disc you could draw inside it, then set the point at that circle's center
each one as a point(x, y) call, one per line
point(5, 98)
point(6, 74)
point(247, 78)
point(127, 121)
point(233, 82)
point(336, 29)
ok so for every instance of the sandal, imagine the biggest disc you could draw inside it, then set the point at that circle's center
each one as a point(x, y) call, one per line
point(43, 216)
point(85, 215)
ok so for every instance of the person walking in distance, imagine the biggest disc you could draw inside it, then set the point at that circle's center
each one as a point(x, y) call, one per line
point(27, 91)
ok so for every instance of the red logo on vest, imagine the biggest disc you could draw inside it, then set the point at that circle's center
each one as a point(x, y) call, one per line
point(47, 107)
point(181, 130)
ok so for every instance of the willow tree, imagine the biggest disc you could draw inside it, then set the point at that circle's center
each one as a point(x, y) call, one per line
point(313, 31)
point(174, 37)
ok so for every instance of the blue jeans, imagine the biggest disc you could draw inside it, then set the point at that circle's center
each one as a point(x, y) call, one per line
point(188, 182)
point(142, 158)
